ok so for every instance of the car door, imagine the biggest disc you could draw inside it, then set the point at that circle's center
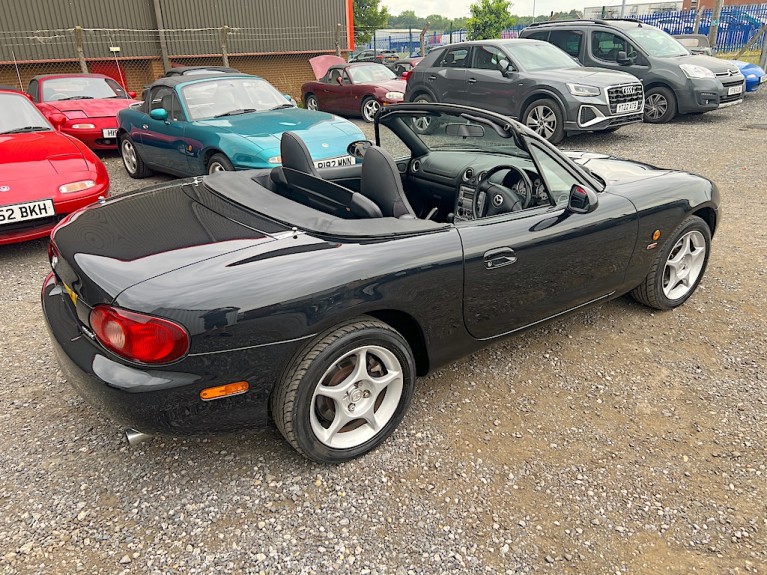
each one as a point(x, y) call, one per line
point(162, 141)
point(328, 89)
point(603, 53)
point(447, 78)
point(487, 86)
point(524, 267)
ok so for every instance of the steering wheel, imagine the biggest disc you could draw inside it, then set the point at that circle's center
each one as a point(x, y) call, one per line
point(491, 199)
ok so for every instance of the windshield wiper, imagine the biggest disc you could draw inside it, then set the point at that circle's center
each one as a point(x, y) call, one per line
point(75, 98)
point(282, 107)
point(238, 112)
point(26, 129)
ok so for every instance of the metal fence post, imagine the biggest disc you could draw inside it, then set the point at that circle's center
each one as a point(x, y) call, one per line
point(224, 54)
point(423, 40)
point(338, 39)
point(78, 34)
point(712, 33)
point(763, 59)
point(161, 32)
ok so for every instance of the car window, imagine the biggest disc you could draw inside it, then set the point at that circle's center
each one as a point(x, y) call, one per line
point(453, 58)
point(81, 87)
point(487, 57)
point(32, 90)
point(606, 45)
point(345, 78)
point(370, 73)
point(230, 96)
point(174, 111)
point(160, 96)
point(541, 35)
point(540, 56)
point(332, 76)
point(557, 179)
point(18, 113)
point(567, 40)
point(656, 42)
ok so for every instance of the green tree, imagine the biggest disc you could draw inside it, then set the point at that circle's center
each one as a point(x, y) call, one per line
point(488, 19)
point(406, 19)
point(368, 16)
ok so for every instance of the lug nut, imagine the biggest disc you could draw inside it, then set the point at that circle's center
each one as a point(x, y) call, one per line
point(366, 393)
point(352, 406)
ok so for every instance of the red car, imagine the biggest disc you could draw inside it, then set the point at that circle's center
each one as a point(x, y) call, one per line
point(89, 102)
point(352, 89)
point(44, 174)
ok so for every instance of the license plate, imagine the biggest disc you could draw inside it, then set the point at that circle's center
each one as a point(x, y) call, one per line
point(627, 107)
point(334, 162)
point(109, 133)
point(735, 90)
point(27, 211)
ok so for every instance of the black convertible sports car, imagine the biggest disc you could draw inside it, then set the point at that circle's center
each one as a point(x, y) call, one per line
point(316, 298)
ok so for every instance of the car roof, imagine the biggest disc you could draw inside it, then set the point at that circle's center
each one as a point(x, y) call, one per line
point(622, 23)
point(181, 69)
point(74, 75)
point(173, 81)
point(493, 42)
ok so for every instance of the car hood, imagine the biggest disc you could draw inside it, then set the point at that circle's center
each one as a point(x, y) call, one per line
point(716, 65)
point(97, 108)
point(391, 85)
point(36, 155)
point(321, 64)
point(134, 242)
point(616, 170)
point(594, 76)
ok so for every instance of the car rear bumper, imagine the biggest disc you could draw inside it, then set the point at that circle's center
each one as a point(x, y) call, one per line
point(164, 399)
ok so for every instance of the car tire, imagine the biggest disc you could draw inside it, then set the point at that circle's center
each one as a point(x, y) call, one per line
point(544, 117)
point(425, 125)
point(678, 267)
point(369, 109)
point(132, 161)
point(659, 105)
point(311, 102)
point(335, 425)
point(219, 163)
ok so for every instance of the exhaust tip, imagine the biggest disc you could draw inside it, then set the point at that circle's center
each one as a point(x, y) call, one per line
point(135, 437)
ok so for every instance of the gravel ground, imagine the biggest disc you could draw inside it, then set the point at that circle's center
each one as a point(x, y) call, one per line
point(619, 440)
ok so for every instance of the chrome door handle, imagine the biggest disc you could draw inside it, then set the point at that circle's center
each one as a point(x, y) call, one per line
point(471, 81)
point(499, 257)
point(432, 77)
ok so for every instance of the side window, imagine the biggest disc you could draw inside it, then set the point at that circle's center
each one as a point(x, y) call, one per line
point(567, 40)
point(487, 57)
point(32, 90)
point(164, 97)
point(453, 58)
point(345, 78)
point(606, 45)
point(333, 75)
point(175, 112)
point(556, 178)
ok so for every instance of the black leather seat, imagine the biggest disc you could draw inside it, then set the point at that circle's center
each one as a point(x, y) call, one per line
point(381, 182)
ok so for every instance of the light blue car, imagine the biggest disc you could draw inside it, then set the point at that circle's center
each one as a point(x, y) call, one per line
point(189, 126)
point(754, 75)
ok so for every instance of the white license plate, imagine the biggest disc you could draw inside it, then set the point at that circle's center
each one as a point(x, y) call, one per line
point(109, 133)
point(334, 162)
point(627, 107)
point(27, 211)
point(735, 90)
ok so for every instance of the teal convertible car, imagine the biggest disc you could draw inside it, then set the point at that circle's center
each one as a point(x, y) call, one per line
point(189, 126)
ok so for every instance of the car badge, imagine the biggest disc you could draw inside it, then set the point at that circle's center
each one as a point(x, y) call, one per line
point(628, 90)
point(5, 188)
point(497, 200)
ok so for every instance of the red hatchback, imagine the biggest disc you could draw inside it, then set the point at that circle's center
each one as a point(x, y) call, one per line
point(89, 102)
point(44, 174)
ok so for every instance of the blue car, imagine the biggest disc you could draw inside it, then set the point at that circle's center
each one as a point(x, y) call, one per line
point(754, 75)
point(189, 126)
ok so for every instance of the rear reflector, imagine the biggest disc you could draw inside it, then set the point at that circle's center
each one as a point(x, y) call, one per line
point(224, 390)
point(138, 337)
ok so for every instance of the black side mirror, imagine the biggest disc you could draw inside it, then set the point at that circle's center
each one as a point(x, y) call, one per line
point(582, 200)
point(358, 148)
point(504, 66)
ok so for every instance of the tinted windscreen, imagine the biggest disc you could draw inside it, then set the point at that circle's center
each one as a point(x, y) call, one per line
point(656, 42)
point(540, 56)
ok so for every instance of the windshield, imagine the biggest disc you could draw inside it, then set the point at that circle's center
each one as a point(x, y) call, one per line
point(458, 131)
point(231, 96)
point(81, 88)
point(18, 114)
point(540, 56)
point(367, 74)
point(656, 42)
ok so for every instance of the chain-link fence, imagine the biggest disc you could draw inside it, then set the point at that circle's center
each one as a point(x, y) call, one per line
point(137, 57)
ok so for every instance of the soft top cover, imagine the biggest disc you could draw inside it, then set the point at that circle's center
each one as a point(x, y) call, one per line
point(244, 189)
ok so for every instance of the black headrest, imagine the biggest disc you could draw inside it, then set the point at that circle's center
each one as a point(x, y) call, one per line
point(382, 183)
point(295, 154)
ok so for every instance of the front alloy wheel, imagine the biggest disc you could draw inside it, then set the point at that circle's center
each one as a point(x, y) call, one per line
point(545, 119)
point(370, 107)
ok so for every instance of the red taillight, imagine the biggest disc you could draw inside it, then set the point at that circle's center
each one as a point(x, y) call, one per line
point(405, 75)
point(139, 337)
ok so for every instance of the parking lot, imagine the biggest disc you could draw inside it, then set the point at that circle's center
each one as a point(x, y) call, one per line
point(618, 440)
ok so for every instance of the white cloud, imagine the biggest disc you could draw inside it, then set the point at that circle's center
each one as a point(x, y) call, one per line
point(460, 8)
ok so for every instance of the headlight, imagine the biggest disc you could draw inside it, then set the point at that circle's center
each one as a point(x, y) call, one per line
point(83, 126)
point(77, 186)
point(275, 160)
point(692, 71)
point(395, 96)
point(582, 90)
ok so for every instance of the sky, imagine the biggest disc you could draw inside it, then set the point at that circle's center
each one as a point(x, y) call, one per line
point(460, 8)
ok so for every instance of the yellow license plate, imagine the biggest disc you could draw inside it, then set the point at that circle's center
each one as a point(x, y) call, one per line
point(72, 294)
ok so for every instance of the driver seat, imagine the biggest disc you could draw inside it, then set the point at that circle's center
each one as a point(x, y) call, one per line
point(381, 182)
point(294, 155)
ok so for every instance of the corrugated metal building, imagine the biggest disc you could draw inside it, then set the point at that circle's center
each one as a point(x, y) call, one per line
point(132, 39)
